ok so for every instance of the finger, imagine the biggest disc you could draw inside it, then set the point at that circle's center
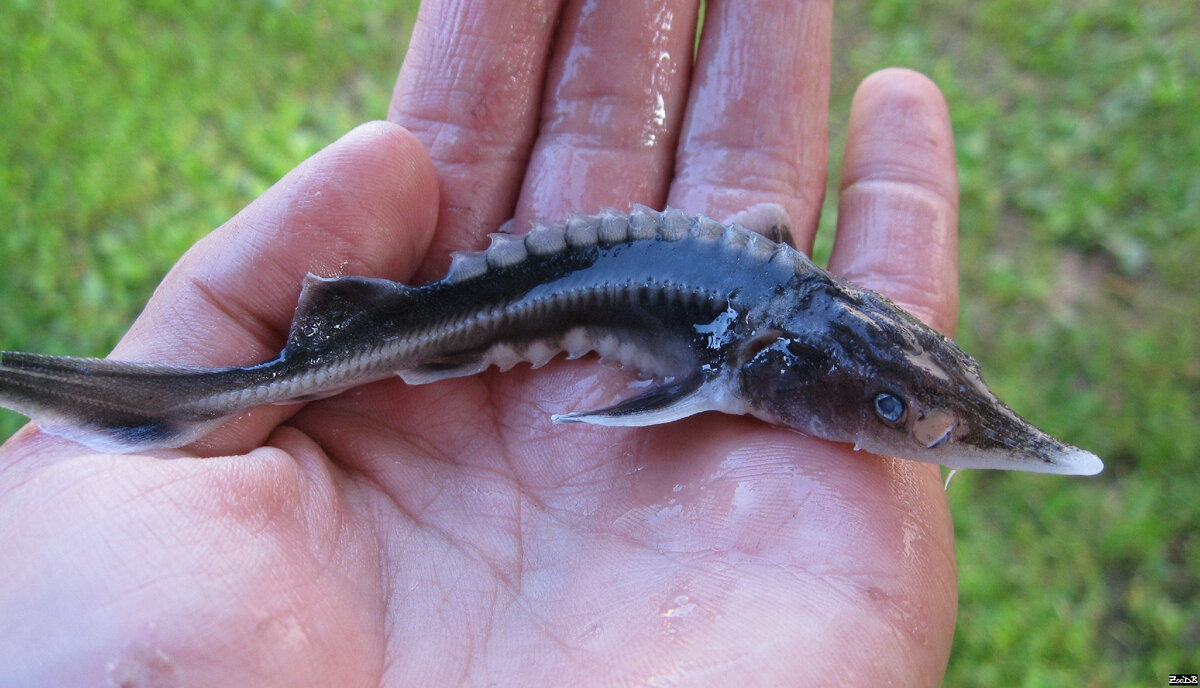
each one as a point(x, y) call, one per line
point(897, 215)
point(757, 115)
point(897, 227)
point(365, 205)
point(613, 105)
point(470, 90)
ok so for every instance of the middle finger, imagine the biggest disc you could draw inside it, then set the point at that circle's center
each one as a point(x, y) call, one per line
point(756, 129)
point(611, 109)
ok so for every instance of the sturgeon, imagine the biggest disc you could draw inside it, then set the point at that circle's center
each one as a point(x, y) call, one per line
point(723, 318)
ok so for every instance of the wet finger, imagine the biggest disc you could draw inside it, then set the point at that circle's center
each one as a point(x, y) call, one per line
point(755, 130)
point(897, 227)
point(470, 89)
point(613, 105)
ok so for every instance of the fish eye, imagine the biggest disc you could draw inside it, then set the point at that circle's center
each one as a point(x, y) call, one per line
point(889, 407)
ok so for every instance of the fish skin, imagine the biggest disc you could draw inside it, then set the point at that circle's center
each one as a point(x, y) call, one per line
point(726, 319)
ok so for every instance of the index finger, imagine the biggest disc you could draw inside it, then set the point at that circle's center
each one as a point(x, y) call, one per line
point(897, 229)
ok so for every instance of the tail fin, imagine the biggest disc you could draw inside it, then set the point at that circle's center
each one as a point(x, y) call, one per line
point(120, 406)
point(114, 405)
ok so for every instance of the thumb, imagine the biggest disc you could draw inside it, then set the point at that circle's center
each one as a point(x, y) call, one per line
point(365, 205)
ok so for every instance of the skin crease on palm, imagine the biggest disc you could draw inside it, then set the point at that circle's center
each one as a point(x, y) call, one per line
point(449, 534)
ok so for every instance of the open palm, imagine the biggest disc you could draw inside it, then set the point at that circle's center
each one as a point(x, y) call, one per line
point(450, 534)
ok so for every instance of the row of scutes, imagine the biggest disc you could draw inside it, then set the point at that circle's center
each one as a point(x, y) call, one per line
point(608, 228)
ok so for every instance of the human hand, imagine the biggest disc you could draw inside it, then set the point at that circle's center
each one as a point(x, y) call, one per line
point(451, 533)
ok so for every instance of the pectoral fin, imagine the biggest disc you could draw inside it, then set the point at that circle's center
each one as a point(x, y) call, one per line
point(662, 404)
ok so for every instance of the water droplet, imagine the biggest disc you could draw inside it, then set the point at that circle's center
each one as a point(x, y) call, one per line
point(680, 607)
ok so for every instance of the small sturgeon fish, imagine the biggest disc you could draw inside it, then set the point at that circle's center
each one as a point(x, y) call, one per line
point(726, 319)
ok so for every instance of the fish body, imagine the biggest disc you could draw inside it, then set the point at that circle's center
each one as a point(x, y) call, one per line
point(722, 317)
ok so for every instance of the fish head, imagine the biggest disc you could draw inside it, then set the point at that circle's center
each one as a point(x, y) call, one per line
point(846, 364)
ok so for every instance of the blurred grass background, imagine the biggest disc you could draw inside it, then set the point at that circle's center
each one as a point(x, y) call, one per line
point(130, 130)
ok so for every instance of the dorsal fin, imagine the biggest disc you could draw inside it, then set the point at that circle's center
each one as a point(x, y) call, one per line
point(328, 304)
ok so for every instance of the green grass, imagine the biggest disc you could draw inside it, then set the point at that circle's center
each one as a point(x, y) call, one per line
point(129, 133)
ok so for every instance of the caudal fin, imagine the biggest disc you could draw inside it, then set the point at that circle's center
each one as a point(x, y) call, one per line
point(113, 405)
